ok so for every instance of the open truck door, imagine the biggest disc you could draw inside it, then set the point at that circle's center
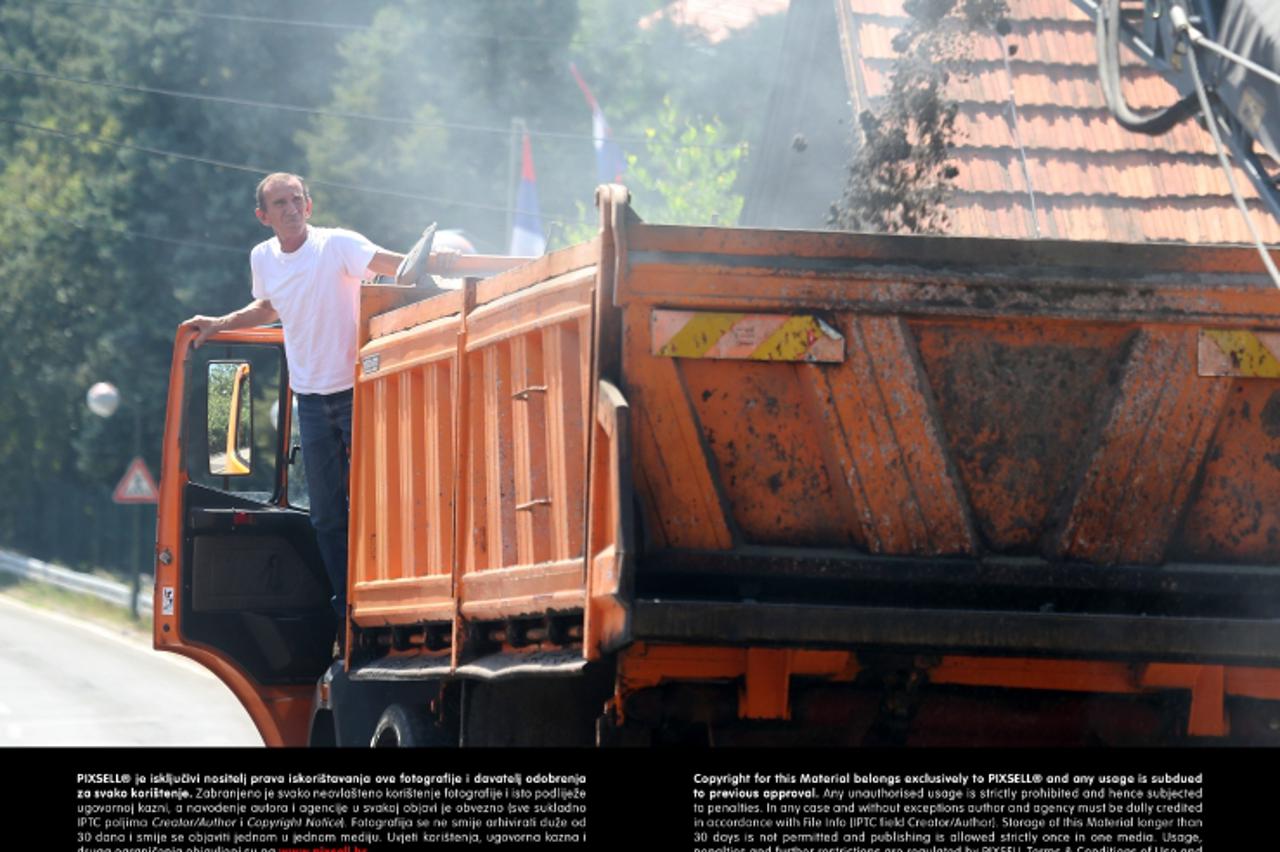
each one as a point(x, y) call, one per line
point(240, 586)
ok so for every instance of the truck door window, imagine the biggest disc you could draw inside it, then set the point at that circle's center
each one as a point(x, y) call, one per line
point(230, 442)
point(230, 419)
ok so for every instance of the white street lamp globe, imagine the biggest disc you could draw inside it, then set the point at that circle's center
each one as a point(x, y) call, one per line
point(103, 399)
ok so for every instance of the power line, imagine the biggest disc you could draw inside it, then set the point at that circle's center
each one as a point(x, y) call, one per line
point(258, 170)
point(343, 114)
point(31, 214)
point(227, 99)
point(333, 26)
point(219, 16)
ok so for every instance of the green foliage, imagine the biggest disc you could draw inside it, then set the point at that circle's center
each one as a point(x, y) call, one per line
point(458, 71)
point(85, 297)
point(688, 175)
point(649, 82)
point(220, 388)
point(901, 172)
point(438, 68)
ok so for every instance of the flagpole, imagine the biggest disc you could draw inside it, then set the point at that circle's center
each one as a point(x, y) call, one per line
point(513, 172)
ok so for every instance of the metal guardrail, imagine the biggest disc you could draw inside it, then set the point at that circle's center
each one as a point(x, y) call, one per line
point(107, 590)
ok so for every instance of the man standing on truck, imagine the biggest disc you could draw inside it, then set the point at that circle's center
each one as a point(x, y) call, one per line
point(309, 279)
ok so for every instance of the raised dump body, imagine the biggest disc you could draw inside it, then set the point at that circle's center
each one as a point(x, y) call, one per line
point(859, 488)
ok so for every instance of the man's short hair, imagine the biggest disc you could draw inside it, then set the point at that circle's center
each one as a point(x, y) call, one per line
point(275, 176)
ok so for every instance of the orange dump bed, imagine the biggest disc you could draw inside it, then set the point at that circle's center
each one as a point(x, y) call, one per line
point(722, 436)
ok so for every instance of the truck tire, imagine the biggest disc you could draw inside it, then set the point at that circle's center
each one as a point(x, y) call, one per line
point(405, 726)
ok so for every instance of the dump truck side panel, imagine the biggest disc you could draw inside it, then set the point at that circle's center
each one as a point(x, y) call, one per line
point(470, 458)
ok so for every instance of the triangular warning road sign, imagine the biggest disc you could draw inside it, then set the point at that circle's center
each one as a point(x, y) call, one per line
point(136, 486)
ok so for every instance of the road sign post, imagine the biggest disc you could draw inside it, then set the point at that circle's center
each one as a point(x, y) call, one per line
point(136, 486)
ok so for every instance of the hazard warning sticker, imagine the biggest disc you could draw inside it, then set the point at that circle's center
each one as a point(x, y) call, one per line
point(1238, 352)
point(745, 337)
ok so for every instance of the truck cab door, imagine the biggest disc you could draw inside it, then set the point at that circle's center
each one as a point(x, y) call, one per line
point(240, 584)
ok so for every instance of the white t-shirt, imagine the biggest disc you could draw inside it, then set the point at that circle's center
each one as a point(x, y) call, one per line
point(316, 292)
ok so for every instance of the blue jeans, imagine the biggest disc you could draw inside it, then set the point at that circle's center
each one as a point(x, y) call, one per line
point(324, 426)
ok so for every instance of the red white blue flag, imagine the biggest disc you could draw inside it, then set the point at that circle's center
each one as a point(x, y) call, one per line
point(610, 164)
point(527, 238)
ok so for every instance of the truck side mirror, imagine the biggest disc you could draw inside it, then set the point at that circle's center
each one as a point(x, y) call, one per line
point(230, 419)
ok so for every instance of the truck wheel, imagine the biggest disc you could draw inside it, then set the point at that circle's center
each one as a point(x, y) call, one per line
point(404, 726)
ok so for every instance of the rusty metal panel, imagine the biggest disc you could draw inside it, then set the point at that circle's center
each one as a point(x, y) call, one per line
point(880, 429)
point(995, 399)
point(1015, 400)
point(739, 270)
point(1231, 641)
point(828, 455)
point(774, 483)
point(1149, 449)
point(682, 504)
point(1235, 511)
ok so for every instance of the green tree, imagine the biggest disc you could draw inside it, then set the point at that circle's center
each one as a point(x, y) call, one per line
point(455, 74)
point(106, 247)
point(651, 83)
point(685, 176)
point(688, 173)
point(461, 72)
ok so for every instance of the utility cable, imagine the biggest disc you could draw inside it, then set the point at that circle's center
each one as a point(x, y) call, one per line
point(343, 114)
point(258, 170)
point(33, 214)
point(1212, 121)
point(227, 99)
point(216, 16)
point(325, 25)
point(1108, 38)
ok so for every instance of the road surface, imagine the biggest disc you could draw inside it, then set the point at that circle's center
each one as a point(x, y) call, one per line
point(66, 683)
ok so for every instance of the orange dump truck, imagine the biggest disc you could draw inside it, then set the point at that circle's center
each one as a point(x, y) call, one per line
point(724, 486)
